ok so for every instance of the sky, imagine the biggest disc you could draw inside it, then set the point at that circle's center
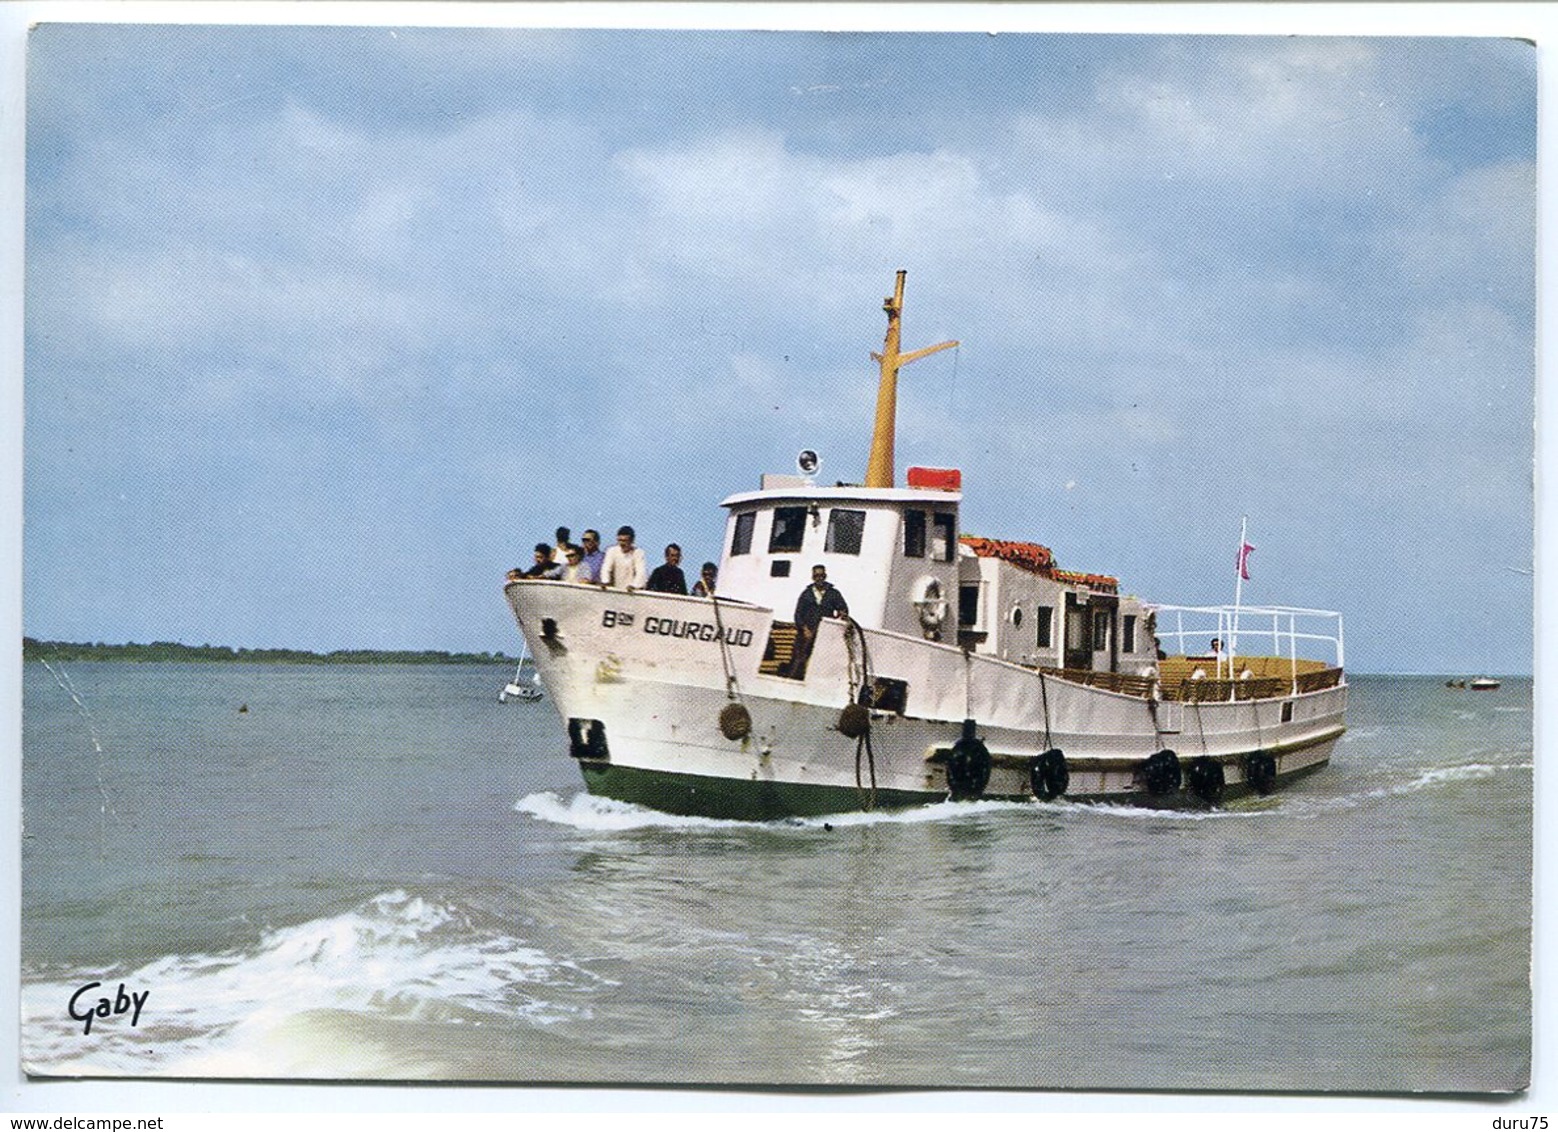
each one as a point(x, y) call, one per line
point(326, 327)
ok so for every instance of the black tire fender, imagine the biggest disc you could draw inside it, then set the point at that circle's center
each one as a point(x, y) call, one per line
point(968, 766)
point(1161, 773)
point(1260, 771)
point(1049, 775)
point(1205, 779)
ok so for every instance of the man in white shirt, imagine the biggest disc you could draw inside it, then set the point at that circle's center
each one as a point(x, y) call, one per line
point(624, 567)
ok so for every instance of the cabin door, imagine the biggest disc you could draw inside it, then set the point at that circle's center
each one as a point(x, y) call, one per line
point(1106, 622)
point(1079, 634)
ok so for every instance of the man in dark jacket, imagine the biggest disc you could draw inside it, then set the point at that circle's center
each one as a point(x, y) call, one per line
point(818, 600)
point(669, 579)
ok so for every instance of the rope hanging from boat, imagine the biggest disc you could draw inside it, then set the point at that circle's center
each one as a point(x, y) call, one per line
point(855, 719)
point(735, 721)
point(1044, 695)
point(732, 689)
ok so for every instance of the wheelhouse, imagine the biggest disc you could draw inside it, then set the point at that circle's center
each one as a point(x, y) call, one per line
point(890, 551)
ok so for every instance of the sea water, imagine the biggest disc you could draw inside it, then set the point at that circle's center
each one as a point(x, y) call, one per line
point(383, 873)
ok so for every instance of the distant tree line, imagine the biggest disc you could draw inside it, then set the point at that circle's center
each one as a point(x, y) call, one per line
point(33, 649)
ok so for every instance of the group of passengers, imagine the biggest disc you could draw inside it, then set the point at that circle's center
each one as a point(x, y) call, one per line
point(622, 566)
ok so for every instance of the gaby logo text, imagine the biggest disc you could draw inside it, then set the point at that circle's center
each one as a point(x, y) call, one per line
point(83, 1009)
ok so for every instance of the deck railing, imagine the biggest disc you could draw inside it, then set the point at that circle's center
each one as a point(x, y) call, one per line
point(1293, 634)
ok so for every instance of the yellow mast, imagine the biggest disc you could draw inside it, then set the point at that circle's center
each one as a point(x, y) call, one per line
point(879, 469)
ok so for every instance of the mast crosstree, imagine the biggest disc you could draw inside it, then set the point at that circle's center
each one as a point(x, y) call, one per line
point(879, 468)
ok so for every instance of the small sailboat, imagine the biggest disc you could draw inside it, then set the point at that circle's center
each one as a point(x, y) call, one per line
point(526, 685)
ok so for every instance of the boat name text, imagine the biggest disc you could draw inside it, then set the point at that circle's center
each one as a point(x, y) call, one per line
point(671, 627)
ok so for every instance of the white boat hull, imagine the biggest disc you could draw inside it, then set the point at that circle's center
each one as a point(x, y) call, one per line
point(640, 681)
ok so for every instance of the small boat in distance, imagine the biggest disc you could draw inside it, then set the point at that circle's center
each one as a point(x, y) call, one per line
point(1483, 684)
point(524, 685)
point(963, 667)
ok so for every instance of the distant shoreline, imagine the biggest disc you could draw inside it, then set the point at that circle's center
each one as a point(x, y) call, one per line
point(33, 649)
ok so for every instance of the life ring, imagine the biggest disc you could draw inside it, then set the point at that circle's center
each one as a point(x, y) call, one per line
point(1160, 774)
point(735, 722)
point(968, 768)
point(929, 605)
point(854, 720)
point(1205, 779)
point(1049, 775)
point(1260, 771)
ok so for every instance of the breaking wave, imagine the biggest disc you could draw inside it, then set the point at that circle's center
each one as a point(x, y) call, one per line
point(294, 1004)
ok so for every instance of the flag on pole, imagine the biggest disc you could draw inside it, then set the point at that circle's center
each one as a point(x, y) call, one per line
point(1245, 550)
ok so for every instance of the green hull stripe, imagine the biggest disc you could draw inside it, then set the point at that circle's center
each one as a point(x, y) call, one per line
point(751, 800)
point(705, 796)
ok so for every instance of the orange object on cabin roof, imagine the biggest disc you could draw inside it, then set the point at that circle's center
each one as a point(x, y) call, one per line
point(938, 479)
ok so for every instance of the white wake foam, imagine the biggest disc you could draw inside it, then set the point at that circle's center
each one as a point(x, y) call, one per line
point(397, 957)
point(592, 813)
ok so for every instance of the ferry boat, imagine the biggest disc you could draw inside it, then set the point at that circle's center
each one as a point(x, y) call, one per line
point(966, 667)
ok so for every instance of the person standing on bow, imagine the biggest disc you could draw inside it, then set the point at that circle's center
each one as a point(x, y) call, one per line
point(594, 556)
point(544, 567)
point(704, 586)
point(624, 567)
point(575, 569)
point(818, 600)
point(669, 579)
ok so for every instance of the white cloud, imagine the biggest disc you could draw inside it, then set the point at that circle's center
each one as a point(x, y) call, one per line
point(1240, 253)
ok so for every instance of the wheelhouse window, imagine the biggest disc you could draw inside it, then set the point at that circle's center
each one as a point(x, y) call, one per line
point(741, 541)
point(914, 534)
point(845, 529)
point(944, 539)
point(1046, 615)
point(1128, 633)
point(789, 530)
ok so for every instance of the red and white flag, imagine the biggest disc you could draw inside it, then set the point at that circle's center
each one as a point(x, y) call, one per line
point(1245, 550)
